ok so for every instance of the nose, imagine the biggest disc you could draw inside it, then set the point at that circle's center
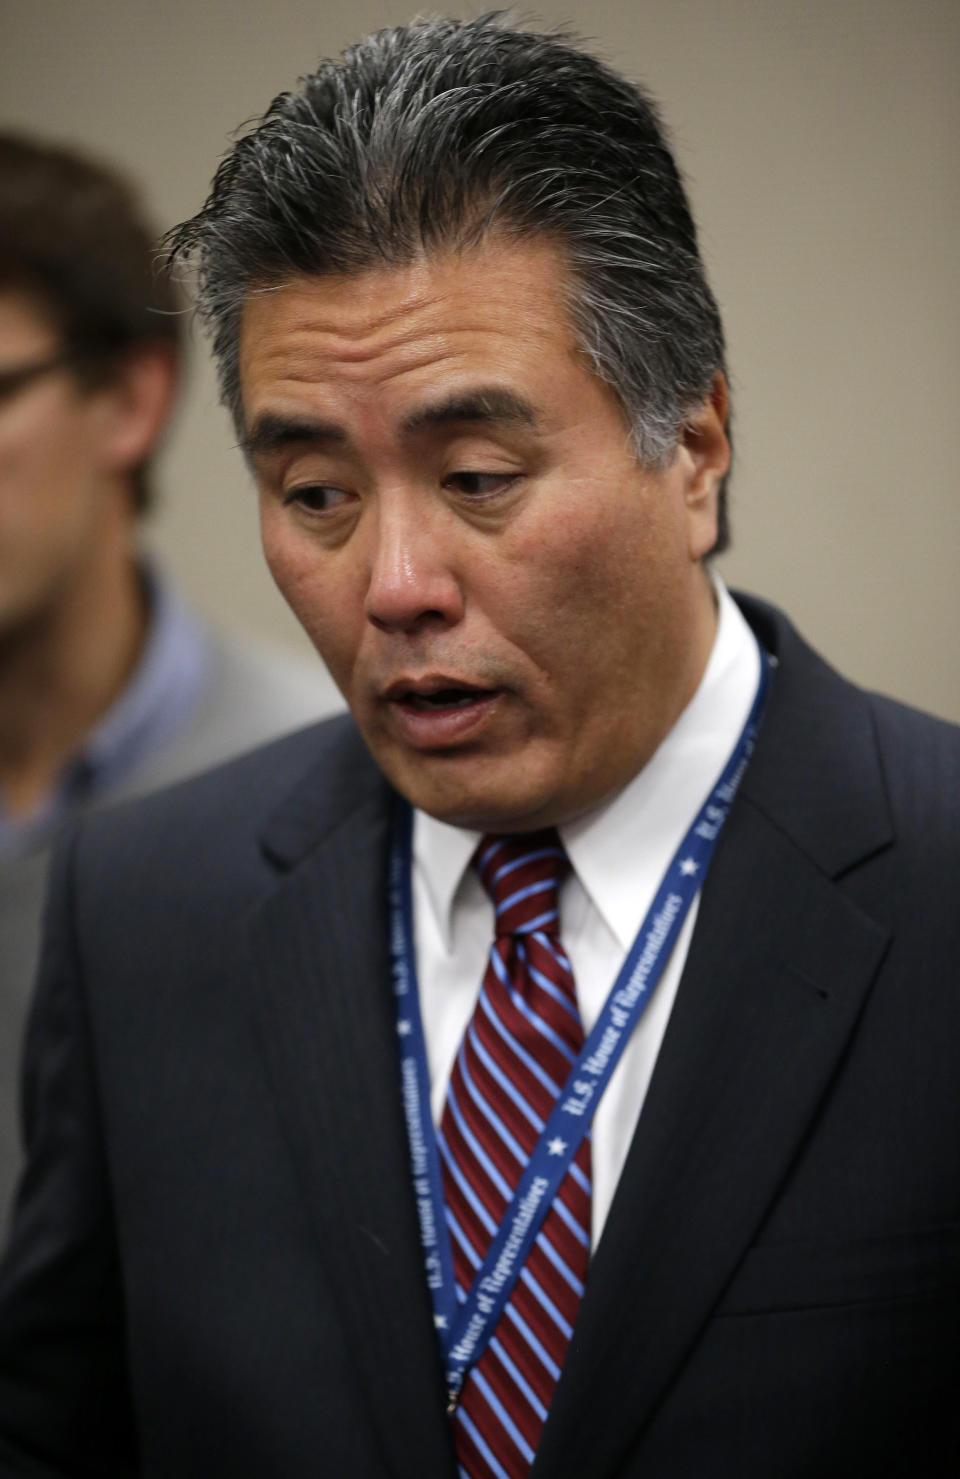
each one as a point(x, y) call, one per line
point(412, 581)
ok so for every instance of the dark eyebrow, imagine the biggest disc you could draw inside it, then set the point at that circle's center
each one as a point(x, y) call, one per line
point(485, 404)
point(271, 432)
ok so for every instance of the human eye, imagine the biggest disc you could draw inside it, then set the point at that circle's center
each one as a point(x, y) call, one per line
point(480, 485)
point(316, 498)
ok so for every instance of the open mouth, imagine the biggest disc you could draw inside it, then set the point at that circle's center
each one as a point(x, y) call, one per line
point(438, 712)
point(444, 698)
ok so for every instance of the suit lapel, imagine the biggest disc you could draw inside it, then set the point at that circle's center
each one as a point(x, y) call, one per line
point(777, 975)
point(326, 1018)
point(778, 971)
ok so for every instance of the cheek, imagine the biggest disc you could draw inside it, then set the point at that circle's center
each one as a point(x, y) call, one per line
point(568, 582)
point(290, 556)
point(29, 470)
point(276, 551)
point(48, 499)
point(590, 589)
point(313, 586)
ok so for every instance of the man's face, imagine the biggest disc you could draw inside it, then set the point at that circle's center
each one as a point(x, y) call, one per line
point(50, 506)
point(512, 606)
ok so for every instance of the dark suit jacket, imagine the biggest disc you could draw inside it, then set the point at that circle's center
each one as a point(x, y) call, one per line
point(215, 1271)
point(251, 694)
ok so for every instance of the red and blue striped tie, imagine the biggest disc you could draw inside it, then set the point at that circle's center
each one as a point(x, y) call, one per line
point(514, 1059)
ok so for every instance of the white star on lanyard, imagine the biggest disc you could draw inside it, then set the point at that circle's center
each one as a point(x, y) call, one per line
point(403, 1027)
point(440, 1321)
point(688, 867)
point(557, 1146)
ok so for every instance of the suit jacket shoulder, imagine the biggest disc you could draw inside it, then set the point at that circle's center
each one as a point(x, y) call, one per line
point(836, 763)
point(220, 1213)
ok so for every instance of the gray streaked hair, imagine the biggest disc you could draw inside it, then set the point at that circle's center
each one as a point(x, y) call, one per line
point(425, 138)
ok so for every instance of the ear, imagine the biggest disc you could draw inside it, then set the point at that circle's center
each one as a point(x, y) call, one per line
point(705, 458)
point(136, 406)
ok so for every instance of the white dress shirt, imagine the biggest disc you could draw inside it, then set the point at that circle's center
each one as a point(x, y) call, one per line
point(618, 857)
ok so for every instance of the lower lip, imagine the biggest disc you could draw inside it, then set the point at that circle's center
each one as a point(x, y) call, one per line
point(440, 729)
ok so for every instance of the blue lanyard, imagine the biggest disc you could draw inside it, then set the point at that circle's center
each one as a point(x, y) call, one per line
point(464, 1329)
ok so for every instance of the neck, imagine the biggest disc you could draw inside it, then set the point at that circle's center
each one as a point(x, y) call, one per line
point(63, 666)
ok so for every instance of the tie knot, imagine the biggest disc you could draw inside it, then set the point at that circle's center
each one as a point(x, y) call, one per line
point(522, 875)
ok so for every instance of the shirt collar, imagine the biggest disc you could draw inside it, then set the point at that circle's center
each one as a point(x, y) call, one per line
point(621, 851)
point(657, 806)
point(443, 854)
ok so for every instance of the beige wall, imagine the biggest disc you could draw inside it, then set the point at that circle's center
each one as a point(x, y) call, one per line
point(819, 138)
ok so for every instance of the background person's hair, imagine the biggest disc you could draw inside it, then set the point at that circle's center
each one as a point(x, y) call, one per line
point(427, 137)
point(73, 237)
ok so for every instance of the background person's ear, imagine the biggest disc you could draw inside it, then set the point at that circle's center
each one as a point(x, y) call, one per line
point(136, 406)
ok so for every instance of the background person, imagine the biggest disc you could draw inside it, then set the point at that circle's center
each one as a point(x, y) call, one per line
point(462, 321)
point(109, 684)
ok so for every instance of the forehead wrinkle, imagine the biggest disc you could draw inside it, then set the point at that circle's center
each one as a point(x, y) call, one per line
point(353, 329)
point(415, 345)
point(350, 333)
point(323, 340)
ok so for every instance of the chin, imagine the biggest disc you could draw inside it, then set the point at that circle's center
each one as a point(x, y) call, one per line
point(483, 810)
point(455, 806)
point(479, 792)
